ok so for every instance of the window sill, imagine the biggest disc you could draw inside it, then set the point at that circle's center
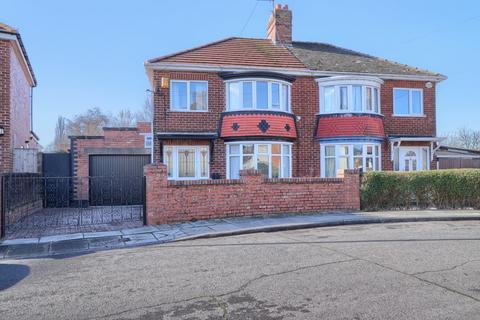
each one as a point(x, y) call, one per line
point(409, 115)
point(350, 112)
point(189, 111)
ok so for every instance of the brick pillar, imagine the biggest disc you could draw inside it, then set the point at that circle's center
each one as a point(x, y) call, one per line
point(351, 180)
point(156, 192)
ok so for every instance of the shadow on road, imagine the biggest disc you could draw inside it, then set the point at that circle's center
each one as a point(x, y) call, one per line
point(11, 274)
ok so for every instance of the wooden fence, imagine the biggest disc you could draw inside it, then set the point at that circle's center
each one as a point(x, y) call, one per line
point(458, 163)
point(26, 161)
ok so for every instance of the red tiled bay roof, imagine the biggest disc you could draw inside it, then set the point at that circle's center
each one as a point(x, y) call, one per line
point(350, 126)
point(236, 51)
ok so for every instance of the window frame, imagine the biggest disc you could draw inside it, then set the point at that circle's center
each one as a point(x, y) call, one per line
point(188, 82)
point(377, 158)
point(410, 105)
point(197, 148)
point(254, 94)
point(256, 153)
point(372, 83)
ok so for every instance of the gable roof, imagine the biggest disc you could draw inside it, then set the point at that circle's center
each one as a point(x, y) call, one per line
point(309, 56)
point(238, 52)
point(326, 57)
point(6, 29)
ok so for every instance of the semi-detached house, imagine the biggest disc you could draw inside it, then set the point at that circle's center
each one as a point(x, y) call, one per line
point(289, 109)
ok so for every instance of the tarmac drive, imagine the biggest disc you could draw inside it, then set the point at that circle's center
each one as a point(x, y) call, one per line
point(423, 270)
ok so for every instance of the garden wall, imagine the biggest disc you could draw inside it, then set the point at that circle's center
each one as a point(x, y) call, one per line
point(252, 194)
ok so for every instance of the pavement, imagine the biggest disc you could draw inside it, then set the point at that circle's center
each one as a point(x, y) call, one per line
point(77, 243)
point(421, 270)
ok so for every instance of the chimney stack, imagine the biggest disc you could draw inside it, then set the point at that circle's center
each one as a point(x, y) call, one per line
point(279, 28)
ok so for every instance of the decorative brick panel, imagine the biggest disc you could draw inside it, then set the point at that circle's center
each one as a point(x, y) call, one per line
point(252, 194)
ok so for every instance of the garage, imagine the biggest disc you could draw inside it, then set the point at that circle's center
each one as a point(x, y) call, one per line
point(116, 179)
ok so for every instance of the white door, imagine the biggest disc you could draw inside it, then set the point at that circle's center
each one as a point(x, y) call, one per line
point(409, 160)
point(413, 159)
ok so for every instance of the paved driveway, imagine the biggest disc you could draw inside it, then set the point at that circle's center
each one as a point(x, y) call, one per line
point(389, 271)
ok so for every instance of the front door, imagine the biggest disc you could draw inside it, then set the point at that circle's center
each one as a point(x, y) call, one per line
point(413, 158)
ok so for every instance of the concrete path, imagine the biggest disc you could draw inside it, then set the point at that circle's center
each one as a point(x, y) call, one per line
point(78, 243)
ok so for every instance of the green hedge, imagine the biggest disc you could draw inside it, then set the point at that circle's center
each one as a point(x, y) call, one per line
point(442, 189)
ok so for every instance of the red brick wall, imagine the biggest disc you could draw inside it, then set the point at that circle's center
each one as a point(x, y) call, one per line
point(421, 126)
point(6, 156)
point(20, 104)
point(117, 138)
point(175, 201)
point(15, 105)
point(305, 105)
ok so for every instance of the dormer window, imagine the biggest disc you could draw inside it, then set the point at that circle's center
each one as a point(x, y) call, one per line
point(258, 94)
point(349, 94)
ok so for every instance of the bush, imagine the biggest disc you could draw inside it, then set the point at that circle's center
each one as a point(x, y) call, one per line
point(442, 189)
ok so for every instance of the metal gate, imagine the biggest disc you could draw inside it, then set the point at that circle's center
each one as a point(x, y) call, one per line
point(117, 179)
point(30, 208)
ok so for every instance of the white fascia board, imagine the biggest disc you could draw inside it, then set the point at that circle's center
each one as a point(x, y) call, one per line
point(223, 68)
point(289, 71)
point(417, 139)
point(12, 37)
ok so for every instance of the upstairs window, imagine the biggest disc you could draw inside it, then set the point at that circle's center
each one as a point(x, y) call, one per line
point(407, 102)
point(258, 94)
point(188, 95)
point(349, 98)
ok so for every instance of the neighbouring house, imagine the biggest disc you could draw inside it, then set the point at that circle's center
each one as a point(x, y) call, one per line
point(18, 142)
point(289, 109)
point(121, 153)
point(456, 158)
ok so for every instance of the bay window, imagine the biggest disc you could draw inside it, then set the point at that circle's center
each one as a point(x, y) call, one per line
point(258, 94)
point(188, 95)
point(346, 156)
point(349, 94)
point(186, 162)
point(271, 159)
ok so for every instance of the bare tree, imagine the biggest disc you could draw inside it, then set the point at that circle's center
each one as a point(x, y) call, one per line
point(90, 123)
point(146, 114)
point(60, 142)
point(124, 118)
point(464, 138)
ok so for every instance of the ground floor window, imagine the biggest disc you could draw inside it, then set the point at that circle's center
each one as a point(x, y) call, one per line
point(186, 162)
point(411, 158)
point(341, 156)
point(272, 159)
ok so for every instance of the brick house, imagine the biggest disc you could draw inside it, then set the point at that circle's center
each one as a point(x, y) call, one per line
point(289, 109)
point(16, 86)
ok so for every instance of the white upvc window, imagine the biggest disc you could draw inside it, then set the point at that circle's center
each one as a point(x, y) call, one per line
point(342, 156)
point(187, 162)
point(188, 95)
point(272, 159)
point(349, 94)
point(408, 102)
point(349, 99)
point(258, 94)
point(147, 140)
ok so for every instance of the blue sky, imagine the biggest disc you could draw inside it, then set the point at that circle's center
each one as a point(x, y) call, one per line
point(90, 53)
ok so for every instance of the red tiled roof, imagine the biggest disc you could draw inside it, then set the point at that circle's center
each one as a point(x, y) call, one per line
point(350, 126)
point(237, 51)
point(251, 125)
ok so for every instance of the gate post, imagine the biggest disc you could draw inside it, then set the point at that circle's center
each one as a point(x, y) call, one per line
point(144, 186)
point(2, 207)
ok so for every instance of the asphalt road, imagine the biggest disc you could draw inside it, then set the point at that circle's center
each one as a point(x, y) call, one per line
point(388, 271)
